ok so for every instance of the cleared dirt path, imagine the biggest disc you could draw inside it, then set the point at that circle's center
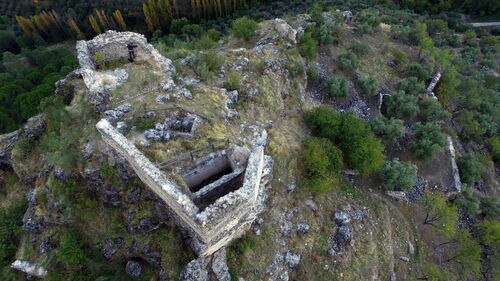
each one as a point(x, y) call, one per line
point(483, 24)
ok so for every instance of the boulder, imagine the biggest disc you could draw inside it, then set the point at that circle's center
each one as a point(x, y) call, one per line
point(195, 270)
point(46, 245)
point(341, 218)
point(292, 259)
point(133, 268)
point(219, 265)
point(303, 227)
point(35, 126)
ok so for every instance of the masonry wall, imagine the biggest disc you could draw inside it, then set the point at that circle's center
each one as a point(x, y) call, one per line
point(220, 222)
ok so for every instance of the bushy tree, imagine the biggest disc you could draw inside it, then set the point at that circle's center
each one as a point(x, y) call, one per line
point(429, 139)
point(431, 111)
point(308, 46)
point(324, 122)
point(439, 213)
point(401, 106)
point(8, 42)
point(347, 61)
point(411, 86)
point(467, 253)
point(470, 169)
point(490, 207)
point(398, 175)
point(337, 86)
point(323, 162)
point(368, 19)
point(389, 130)
point(468, 201)
point(446, 88)
point(418, 70)
point(362, 150)
point(368, 84)
point(490, 232)
point(244, 28)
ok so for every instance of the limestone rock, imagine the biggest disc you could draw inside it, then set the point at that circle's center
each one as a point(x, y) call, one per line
point(285, 30)
point(195, 270)
point(35, 126)
point(29, 268)
point(219, 265)
point(133, 268)
point(303, 227)
point(292, 259)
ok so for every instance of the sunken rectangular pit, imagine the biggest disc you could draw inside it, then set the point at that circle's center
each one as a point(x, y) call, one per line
point(216, 175)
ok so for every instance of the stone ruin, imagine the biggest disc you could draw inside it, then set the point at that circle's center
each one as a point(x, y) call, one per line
point(113, 46)
point(218, 196)
point(222, 194)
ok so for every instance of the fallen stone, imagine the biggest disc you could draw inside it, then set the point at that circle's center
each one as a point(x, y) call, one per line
point(195, 270)
point(303, 227)
point(133, 268)
point(219, 265)
point(292, 259)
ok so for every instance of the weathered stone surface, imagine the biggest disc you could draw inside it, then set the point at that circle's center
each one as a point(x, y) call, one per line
point(219, 223)
point(46, 245)
point(133, 268)
point(35, 126)
point(111, 246)
point(219, 265)
point(292, 259)
point(303, 227)
point(113, 45)
point(29, 268)
point(285, 30)
point(195, 270)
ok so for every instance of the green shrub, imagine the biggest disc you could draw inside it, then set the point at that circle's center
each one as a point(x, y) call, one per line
point(400, 58)
point(368, 85)
point(213, 59)
point(177, 25)
point(244, 28)
point(142, 124)
point(420, 71)
point(192, 31)
point(389, 130)
point(398, 175)
point(10, 230)
point(431, 111)
point(365, 28)
point(401, 106)
point(205, 43)
point(321, 157)
point(411, 86)
point(232, 81)
point(347, 61)
point(361, 49)
point(470, 169)
point(494, 145)
point(99, 59)
point(337, 86)
point(490, 207)
point(468, 201)
point(321, 184)
point(312, 72)
point(324, 122)
point(429, 139)
point(213, 34)
point(308, 46)
point(361, 149)
point(69, 250)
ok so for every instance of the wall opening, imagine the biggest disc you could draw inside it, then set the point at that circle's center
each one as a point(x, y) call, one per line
point(232, 184)
point(208, 173)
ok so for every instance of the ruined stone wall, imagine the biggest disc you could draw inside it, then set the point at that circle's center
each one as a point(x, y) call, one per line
point(219, 223)
point(114, 46)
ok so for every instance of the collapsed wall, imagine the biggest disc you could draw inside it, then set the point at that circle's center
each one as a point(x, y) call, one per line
point(220, 222)
point(113, 46)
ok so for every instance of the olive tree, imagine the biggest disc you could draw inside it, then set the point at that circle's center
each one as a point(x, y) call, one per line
point(398, 175)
